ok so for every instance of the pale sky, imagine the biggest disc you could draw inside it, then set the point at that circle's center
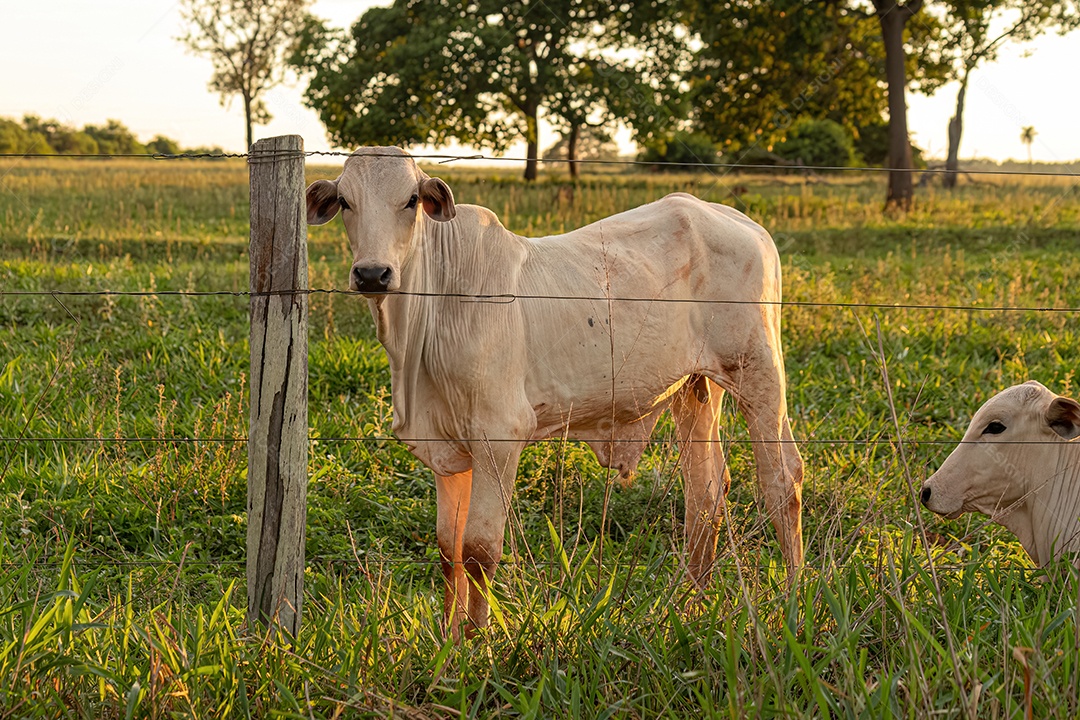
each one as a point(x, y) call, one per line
point(85, 62)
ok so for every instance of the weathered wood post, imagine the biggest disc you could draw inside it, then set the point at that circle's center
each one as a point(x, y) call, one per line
point(278, 434)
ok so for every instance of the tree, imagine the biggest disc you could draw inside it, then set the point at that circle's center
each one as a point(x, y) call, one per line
point(14, 138)
point(482, 72)
point(162, 145)
point(574, 110)
point(683, 152)
point(247, 42)
point(114, 138)
point(872, 147)
point(63, 139)
point(1027, 136)
point(761, 66)
point(970, 34)
point(588, 143)
point(893, 17)
point(817, 142)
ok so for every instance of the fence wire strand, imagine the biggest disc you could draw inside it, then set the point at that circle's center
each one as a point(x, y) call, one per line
point(507, 298)
point(446, 158)
point(377, 439)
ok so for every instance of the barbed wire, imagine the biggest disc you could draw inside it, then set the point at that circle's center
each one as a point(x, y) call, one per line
point(507, 298)
point(364, 559)
point(140, 156)
point(238, 440)
point(445, 158)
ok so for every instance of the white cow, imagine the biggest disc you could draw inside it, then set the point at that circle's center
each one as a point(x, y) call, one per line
point(670, 303)
point(1018, 464)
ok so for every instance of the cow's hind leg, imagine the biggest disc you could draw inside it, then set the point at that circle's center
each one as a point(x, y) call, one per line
point(454, 492)
point(494, 472)
point(759, 388)
point(696, 409)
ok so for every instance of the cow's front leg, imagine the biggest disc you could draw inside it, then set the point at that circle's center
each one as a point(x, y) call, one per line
point(495, 465)
point(779, 465)
point(454, 492)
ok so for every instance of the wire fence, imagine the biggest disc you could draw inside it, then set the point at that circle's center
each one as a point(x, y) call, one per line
point(380, 439)
point(505, 298)
point(444, 158)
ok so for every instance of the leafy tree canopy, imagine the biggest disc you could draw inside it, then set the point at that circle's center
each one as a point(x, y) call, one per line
point(162, 145)
point(61, 138)
point(977, 29)
point(114, 138)
point(481, 72)
point(14, 138)
point(823, 142)
point(761, 66)
point(47, 137)
point(681, 148)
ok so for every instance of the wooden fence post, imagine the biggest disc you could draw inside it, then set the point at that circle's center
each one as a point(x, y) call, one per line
point(278, 434)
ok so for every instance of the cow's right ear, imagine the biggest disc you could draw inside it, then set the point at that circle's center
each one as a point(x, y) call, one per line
point(1064, 417)
point(322, 202)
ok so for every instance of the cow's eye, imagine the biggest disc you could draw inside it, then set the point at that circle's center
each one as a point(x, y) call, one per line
point(994, 428)
point(343, 203)
point(412, 202)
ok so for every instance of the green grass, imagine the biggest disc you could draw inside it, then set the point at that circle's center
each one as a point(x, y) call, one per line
point(122, 560)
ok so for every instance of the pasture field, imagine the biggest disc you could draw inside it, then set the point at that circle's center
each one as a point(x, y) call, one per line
point(122, 474)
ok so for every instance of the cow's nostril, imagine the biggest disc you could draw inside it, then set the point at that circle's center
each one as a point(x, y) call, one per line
point(357, 278)
point(386, 276)
point(925, 495)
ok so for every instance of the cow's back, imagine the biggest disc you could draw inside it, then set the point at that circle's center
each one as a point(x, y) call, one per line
point(679, 247)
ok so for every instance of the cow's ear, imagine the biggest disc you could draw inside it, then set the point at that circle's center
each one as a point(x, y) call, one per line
point(322, 202)
point(438, 200)
point(1064, 417)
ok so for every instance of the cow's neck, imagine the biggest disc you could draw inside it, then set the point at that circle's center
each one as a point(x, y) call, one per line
point(1019, 521)
point(439, 263)
point(1054, 506)
point(401, 322)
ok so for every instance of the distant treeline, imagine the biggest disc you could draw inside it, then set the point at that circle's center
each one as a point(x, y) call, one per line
point(34, 136)
point(1010, 165)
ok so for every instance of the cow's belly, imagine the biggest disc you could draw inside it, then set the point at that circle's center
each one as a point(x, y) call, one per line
point(618, 432)
point(585, 416)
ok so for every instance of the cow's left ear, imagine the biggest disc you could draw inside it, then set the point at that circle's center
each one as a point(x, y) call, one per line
point(1064, 417)
point(437, 198)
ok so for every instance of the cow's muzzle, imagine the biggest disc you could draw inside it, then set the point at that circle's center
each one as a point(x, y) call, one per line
point(927, 495)
point(371, 279)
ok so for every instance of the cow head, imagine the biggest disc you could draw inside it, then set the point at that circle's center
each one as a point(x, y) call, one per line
point(384, 199)
point(1007, 450)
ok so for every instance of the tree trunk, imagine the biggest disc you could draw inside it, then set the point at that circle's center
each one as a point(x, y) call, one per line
point(247, 121)
point(532, 137)
point(571, 150)
point(956, 127)
point(901, 186)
